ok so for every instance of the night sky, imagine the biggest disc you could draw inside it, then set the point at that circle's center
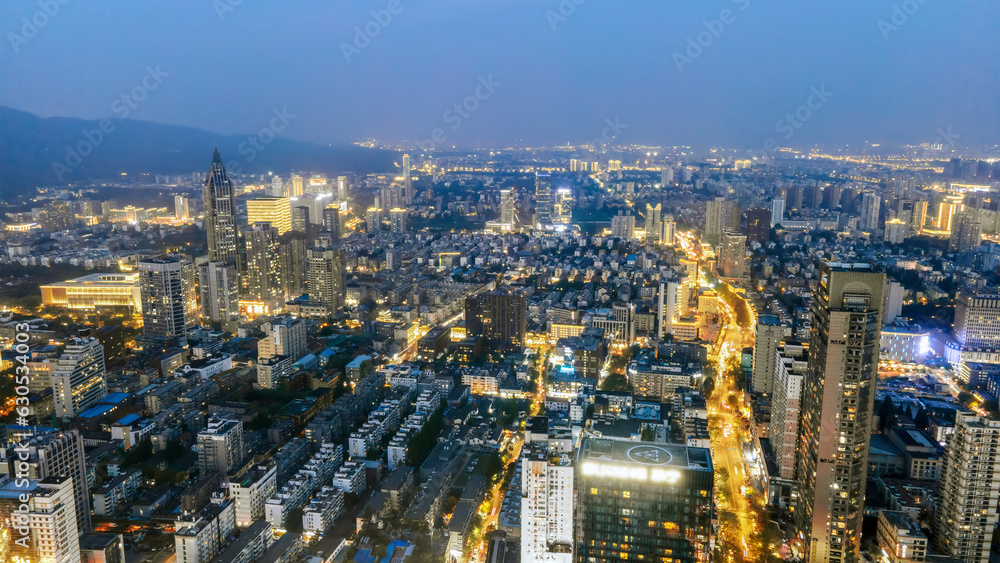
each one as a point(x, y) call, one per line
point(557, 71)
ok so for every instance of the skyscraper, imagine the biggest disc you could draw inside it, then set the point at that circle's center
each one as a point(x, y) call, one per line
point(543, 198)
point(181, 211)
point(870, 206)
point(733, 254)
point(169, 296)
point(669, 227)
point(791, 362)
point(654, 230)
point(52, 454)
point(969, 489)
point(294, 248)
point(285, 335)
point(643, 502)
point(770, 333)
point(78, 377)
point(220, 295)
point(277, 187)
point(499, 317)
point(919, 217)
point(562, 206)
point(966, 232)
point(720, 214)
point(341, 188)
point(325, 274)
point(263, 276)
point(331, 222)
point(407, 180)
point(274, 210)
point(52, 518)
point(623, 226)
point(220, 446)
point(977, 320)
point(398, 219)
point(297, 189)
point(777, 211)
point(300, 219)
point(546, 504)
point(507, 206)
point(837, 402)
point(220, 214)
point(759, 225)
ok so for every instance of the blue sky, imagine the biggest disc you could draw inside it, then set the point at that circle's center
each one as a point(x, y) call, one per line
point(563, 68)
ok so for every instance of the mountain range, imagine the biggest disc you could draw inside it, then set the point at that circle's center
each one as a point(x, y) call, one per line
point(48, 151)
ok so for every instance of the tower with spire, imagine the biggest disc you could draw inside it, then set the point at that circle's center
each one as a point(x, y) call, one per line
point(220, 214)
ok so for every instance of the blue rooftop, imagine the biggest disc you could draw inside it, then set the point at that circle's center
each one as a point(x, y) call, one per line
point(96, 411)
point(128, 419)
point(115, 398)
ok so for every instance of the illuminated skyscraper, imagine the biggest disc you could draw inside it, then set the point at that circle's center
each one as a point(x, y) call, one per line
point(220, 214)
point(78, 377)
point(966, 232)
point(720, 214)
point(546, 504)
point(398, 219)
point(53, 520)
point(507, 206)
point(274, 210)
point(969, 489)
point(643, 502)
point(220, 295)
point(919, 217)
point(331, 222)
point(777, 211)
point(562, 209)
point(181, 211)
point(543, 198)
point(325, 274)
point(407, 180)
point(838, 398)
point(277, 187)
point(733, 254)
point(623, 226)
point(341, 188)
point(297, 189)
point(294, 248)
point(769, 335)
point(669, 227)
point(300, 219)
point(169, 296)
point(263, 277)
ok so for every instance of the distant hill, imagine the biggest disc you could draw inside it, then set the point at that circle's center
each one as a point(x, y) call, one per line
point(29, 145)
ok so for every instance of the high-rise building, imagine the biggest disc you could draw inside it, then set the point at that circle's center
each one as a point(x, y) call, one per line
point(770, 334)
point(793, 197)
point(57, 215)
point(832, 195)
point(669, 230)
point(543, 198)
point(294, 250)
point(643, 502)
point(546, 504)
point(562, 206)
point(250, 492)
point(277, 187)
point(777, 211)
point(373, 219)
point(274, 210)
point(508, 206)
point(838, 398)
point(759, 225)
point(284, 335)
point(200, 536)
point(219, 286)
point(948, 207)
point(331, 222)
point(408, 193)
point(341, 188)
point(870, 206)
point(720, 214)
point(169, 296)
point(791, 361)
point(220, 446)
point(499, 317)
point(895, 231)
point(263, 278)
point(325, 276)
point(78, 377)
point(300, 219)
point(969, 489)
point(181, 211)
point(977, 320)
point(894, 292)
point(298, 188)
point(733, 254)
point(919, 217)
point(623, 226)
point(220, 214)
point(667, 176)
point(966, 232)
point(398, 219)
point(654, 230)
point(51, 454)
point(52, 518)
